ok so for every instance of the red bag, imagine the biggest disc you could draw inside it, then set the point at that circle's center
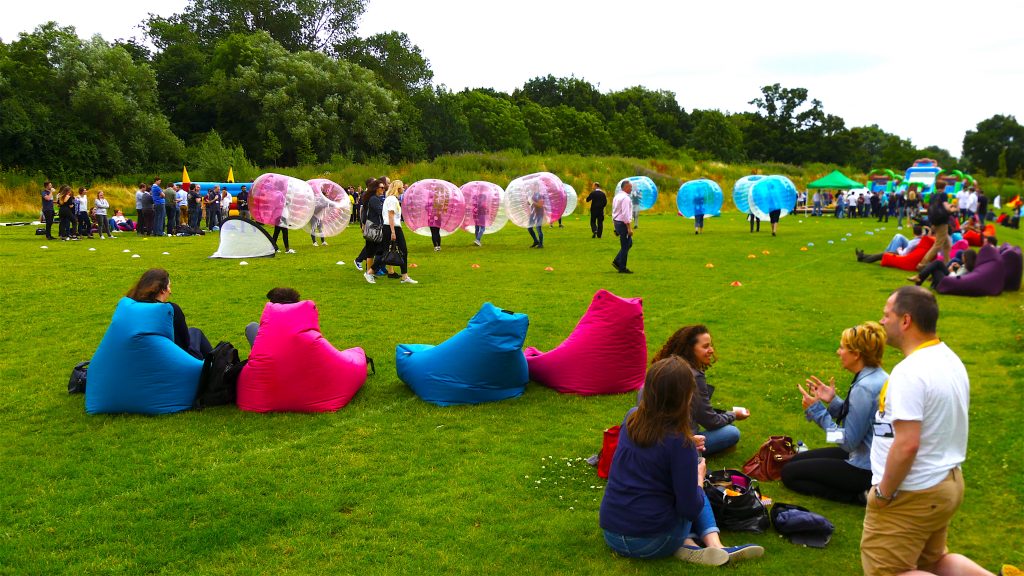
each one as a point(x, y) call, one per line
point(771, 456)
point(608, 446)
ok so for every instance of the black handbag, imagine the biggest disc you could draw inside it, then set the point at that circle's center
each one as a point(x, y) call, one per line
point(373, 232)
point(735, 500)
point(76, 385)
point(394, 256)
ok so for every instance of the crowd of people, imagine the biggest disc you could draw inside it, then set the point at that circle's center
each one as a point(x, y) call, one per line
point(900, 439)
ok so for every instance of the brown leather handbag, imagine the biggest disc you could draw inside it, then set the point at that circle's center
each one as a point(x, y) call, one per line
point(771, 456)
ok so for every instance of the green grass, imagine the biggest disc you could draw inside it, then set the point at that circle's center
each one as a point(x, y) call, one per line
point(390, 484)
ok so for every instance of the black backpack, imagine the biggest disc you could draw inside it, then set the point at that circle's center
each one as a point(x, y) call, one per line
point(219, 379)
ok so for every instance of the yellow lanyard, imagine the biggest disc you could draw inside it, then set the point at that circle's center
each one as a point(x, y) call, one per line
point(885, 387)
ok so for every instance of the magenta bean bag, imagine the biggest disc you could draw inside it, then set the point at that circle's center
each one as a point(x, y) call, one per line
point(957, 246)
point(293, 368)
point(1013, 265)
point(987, 278)
point(605, 354)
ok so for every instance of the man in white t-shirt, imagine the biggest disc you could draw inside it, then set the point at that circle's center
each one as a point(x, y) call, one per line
point(920, 440)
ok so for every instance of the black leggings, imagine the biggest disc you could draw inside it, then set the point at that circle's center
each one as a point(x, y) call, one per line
point(435, 235)
point(936, 269)
point(825, 473)
point(402, 247)
point(279, 230)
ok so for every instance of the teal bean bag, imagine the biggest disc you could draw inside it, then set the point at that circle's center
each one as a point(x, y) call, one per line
point(137, 367)
point(482, 363)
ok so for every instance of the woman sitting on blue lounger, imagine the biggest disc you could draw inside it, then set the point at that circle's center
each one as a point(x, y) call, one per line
point(155, 286)
point(654, 505)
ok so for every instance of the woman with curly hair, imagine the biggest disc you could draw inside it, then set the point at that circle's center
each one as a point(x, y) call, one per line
point(842, 473)
point(693, 344)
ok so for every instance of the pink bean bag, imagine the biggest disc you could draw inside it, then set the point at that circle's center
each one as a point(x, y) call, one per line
point(957, 246)
point(293, 368)
point(987, 278)
point(910, 260)
point(605, 354)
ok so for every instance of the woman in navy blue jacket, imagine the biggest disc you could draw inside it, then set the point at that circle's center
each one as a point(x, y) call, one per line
point(654, 505)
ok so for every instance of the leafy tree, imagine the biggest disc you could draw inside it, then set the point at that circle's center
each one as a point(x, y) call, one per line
point(72, 107)
point(785, 128)
point(581, 132)
point(443, 124)
point(716, 135)
point(983, 145)
point(314, 105)
point(631, 136)
point(660, 110)
point(540, 123)
point(298, 25)
point(573, 92)
point(495, 123)
point(398, 61)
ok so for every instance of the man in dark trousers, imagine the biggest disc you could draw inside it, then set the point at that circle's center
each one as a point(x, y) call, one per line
point(47, 197)
point(622, 218)
point(598, 200)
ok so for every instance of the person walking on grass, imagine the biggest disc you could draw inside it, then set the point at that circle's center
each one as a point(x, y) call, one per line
point(920, 441)
point(598, 200)
point(622, 219)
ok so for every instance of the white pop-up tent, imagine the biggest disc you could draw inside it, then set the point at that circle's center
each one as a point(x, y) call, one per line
point(241, 238)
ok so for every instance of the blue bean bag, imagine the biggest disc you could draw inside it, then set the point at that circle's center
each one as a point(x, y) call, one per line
point(987, 278)
point(137, 367)
point(482, 363)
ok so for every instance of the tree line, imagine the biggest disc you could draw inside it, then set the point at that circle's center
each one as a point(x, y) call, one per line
point(288, 82)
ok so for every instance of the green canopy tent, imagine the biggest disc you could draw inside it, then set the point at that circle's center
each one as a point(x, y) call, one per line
point(835, 181)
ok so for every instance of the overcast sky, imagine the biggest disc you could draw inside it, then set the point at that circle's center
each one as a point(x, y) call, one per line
point(927, 71)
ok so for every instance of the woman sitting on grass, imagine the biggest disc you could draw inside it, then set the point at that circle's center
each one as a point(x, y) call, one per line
point(155, 286)
point(693, 344)
point(842, 473)
point(938, 269)
point(654, 505)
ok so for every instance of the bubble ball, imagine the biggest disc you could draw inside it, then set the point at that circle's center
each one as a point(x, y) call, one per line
point(571, 200)
point(485, 207)
point(741, 192)
point(333, 208)
point(772, 193)
point(278, 200)
point(433, 202)
point(700, 197)
point(644, 187)
point(535, 199)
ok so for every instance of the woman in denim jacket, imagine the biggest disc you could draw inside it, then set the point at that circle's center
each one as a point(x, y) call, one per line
point(842, 473)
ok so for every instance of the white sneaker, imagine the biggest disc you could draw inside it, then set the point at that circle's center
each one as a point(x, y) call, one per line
point(358, 265)
point(477, 242)
point(324, 243)
point(437, 248)
point(369, 278)
point(408, 280)
point(291, 251)
point(102, 238)
point(315, 244)
point(705, 556)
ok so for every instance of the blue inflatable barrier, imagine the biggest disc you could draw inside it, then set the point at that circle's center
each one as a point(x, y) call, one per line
point(232, 187)
point(137, 367)
point(482, 363)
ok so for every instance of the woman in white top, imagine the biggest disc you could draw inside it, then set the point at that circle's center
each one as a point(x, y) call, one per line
point(100, 208)
point(393, 226)
point(225, 205)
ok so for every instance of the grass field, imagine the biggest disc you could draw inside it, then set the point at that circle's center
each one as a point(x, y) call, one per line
point(393, 485)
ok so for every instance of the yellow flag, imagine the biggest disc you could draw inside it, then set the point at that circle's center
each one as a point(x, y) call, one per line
point(184, 175)
point(231, 175)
